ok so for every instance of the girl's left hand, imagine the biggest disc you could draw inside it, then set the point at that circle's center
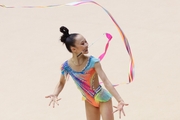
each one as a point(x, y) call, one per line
point(120, 108)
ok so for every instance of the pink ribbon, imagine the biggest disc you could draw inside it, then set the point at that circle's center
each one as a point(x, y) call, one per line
point(107, 45)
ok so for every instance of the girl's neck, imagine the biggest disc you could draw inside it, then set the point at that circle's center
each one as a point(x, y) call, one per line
point(78, 60)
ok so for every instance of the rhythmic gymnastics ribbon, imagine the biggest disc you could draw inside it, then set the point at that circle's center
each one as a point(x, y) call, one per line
point(131, 69)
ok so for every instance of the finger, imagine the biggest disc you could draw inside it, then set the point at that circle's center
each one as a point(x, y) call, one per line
point(114, 106)
point(47, 96)
point(50, 102)
point(115, 111)
point(53, 104)
point(120, 114)
point(57, 103)
point(58, 99)
point(126, 104)
point(123, 112)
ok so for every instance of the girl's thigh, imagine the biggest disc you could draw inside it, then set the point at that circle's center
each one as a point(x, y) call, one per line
point(92, 113)
point(106, 110)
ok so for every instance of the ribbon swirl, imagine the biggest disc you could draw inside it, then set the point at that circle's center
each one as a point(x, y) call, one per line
point(126, 43)
point(131, 70)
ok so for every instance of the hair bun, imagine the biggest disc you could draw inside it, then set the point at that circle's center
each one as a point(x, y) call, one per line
point(65, 32)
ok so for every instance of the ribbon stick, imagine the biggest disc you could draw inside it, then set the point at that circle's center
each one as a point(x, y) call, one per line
point(114, 85)
point(126, 43)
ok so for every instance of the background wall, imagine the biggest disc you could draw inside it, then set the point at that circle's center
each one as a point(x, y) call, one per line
point(31, 55)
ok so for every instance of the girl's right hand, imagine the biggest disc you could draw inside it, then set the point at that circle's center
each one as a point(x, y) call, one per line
point(54, 99)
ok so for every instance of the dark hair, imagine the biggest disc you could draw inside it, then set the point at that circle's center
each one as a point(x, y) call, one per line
point(67, 39)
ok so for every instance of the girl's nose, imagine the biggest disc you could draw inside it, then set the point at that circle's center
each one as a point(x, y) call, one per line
point(86, 44)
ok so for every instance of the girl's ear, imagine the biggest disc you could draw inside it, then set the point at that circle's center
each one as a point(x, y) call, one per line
point(73, 49)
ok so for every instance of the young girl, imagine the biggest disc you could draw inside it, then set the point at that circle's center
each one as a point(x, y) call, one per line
point(85, 71)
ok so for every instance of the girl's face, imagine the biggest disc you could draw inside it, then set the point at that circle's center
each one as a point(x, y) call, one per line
point(81, 45)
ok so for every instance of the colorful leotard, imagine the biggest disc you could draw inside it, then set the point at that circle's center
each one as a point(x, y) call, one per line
point(85, 82)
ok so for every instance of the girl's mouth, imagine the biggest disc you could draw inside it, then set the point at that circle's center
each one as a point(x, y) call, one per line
point(85, 50)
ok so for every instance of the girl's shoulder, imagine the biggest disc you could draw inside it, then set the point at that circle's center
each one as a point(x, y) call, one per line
point(92, 61)
point(64, 64)
point(94, 58)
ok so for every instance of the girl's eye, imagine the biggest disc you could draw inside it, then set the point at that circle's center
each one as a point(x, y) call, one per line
point(83, 43)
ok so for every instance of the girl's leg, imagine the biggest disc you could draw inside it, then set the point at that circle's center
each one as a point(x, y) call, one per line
point(92, 113)
point(106, 110)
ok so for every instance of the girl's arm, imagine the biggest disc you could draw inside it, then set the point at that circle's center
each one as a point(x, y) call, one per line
point(107, 83)
point(59, 87)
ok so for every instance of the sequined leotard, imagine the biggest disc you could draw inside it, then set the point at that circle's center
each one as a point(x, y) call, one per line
point(85, 82)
